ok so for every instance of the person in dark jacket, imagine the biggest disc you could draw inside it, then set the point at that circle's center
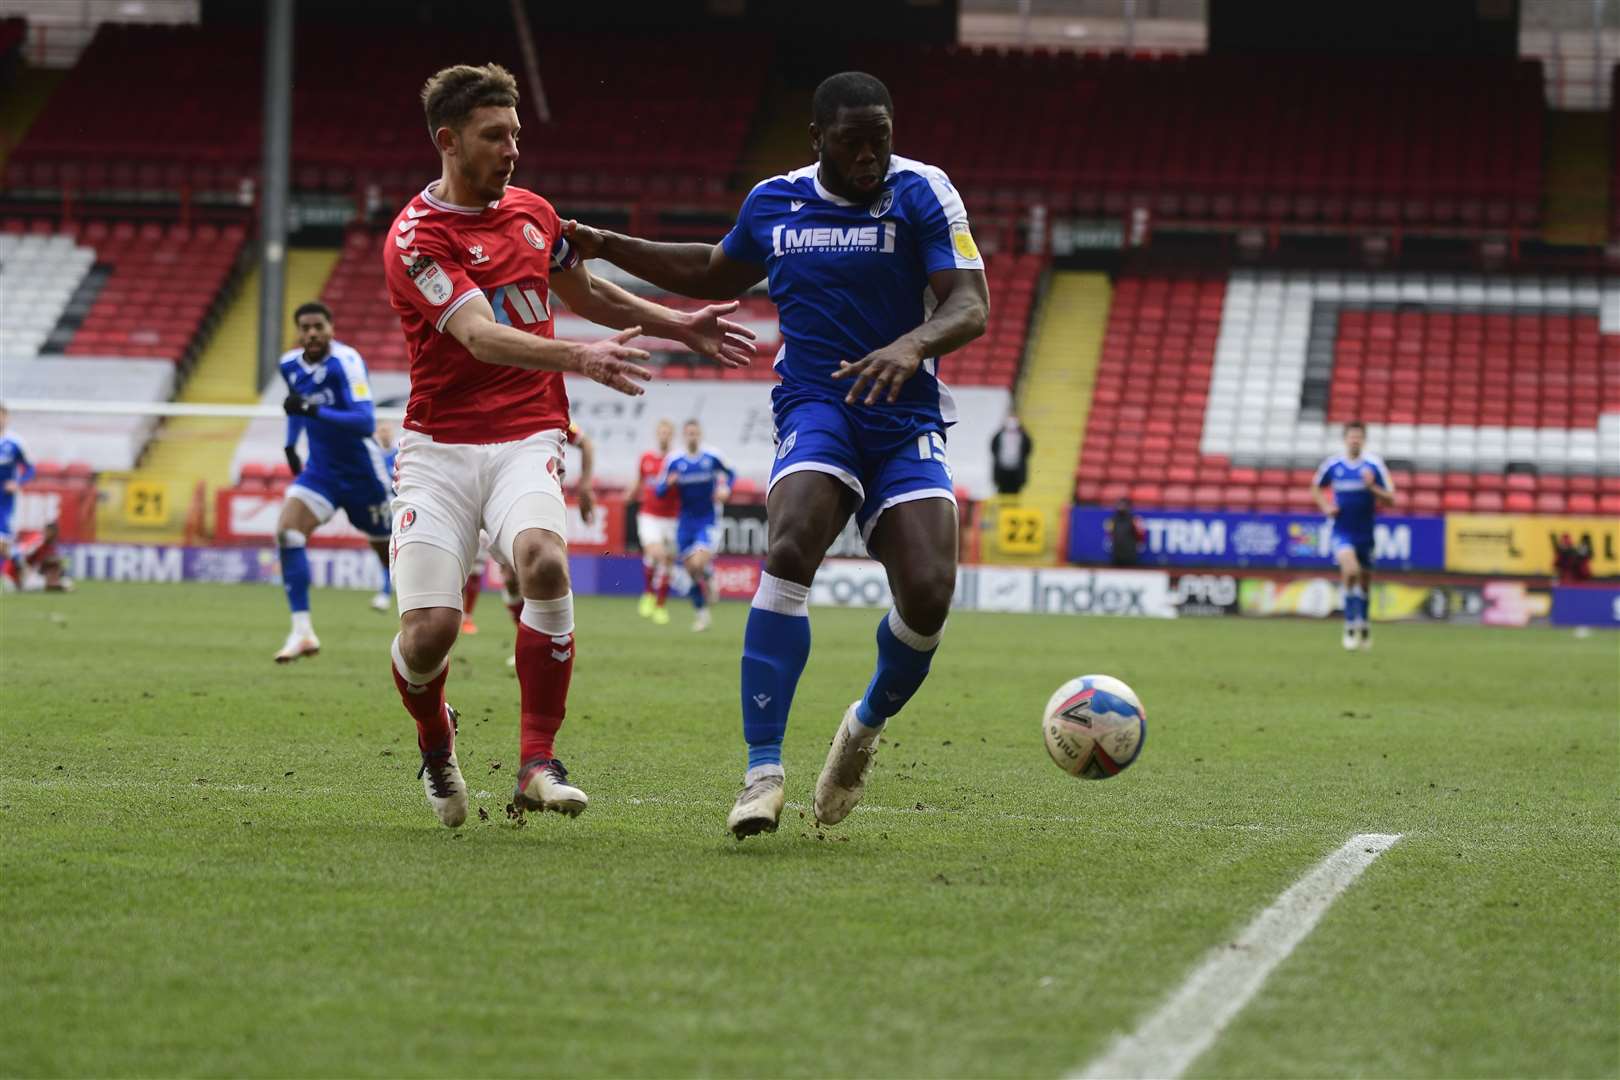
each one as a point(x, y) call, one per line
point(1126, 534)
point(1009, 456)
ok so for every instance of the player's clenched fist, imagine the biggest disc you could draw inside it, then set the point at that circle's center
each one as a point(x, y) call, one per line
point(610, 362)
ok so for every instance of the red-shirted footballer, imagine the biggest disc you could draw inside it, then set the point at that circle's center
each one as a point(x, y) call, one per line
point(471, 265)
point(655, 527)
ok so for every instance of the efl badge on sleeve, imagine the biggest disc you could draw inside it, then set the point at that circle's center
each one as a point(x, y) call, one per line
point(431, 281)
point(962, 240)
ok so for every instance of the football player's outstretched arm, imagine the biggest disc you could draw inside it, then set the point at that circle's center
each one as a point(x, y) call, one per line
point(962, 314)
point(701, 271)
point(706, 332)
point(610, 361)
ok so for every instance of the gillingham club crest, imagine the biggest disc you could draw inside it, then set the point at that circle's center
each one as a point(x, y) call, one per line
point(884, 204)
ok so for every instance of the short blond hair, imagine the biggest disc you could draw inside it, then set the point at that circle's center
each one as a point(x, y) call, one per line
point(451, 94)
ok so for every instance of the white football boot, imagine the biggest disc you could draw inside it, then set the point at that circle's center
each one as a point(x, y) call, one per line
point(843, 779)
point(381, 602)
point(1366, 639)
point(441, 780)
point(297, 646)
point(700, 621)
point(1349, 640)
point(759, 806)
point(543, 785)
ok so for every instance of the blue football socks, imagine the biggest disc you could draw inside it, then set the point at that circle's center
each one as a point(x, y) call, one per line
point(700, 588)
point(903, 656)
point(776, 645)
point(294, 570)
point(1355, 607)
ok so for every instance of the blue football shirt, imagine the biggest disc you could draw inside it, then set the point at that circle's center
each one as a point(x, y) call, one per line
point(340, 442)
point(849, 278)
point(1357, 504)
point(694, 478)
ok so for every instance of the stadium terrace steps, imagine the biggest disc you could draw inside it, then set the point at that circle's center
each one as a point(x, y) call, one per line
point(779, 142)
point(190, 449)
point(22, 103)
point(1054, 396)
point(1576, 189)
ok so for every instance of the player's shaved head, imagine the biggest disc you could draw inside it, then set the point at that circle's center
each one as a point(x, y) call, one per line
point(453, 94)
point(848, 90)
point(1355, 425)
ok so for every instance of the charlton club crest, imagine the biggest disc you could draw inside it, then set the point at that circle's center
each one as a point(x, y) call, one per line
point(534, 236)
point(407, 519)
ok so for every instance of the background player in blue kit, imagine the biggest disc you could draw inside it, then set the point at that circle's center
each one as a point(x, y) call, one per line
point(1358, 482)
point(329, 402)
point(15, 471)
point(875, 274)
point(383, 599)
point(703, 481)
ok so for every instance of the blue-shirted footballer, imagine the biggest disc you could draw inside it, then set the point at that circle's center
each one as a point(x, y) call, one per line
point(15, 470)
point(702, 480)
point(1349, 488)
point(329, 406)
point(874, 271)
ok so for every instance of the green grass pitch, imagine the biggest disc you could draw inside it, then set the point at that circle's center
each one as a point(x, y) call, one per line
point(211, 865)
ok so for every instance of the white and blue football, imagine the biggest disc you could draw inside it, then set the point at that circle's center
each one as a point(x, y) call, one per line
point(1094, 727)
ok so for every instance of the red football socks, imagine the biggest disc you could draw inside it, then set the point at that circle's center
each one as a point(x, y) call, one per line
point(425, 703)
point(469, 595)
point(545, 665)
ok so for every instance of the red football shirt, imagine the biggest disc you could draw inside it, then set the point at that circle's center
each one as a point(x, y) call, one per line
point(665, 505)
point(437, 257)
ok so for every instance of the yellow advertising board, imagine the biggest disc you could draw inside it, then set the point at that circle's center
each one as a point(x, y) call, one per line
point(1522, 544)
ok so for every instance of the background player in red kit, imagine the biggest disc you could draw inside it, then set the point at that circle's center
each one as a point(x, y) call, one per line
point(655, 527)
point(471, 264)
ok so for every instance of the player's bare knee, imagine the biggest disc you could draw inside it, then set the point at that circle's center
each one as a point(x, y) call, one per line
point(541, 561)
point(426, 636)
point(925, 599)
point(792, 555)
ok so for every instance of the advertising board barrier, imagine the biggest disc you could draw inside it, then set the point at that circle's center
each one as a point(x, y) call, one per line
point(1024, 590)
point(1586, 605)
point(1523, 544)
point(1280, 541)
point(249, 517)
point(71, 506)
point(1493, 603)
point(1204, 595)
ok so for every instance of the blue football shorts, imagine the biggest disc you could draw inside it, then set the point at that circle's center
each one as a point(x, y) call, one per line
point(364, 501)
point(883, 469)
point(696, 534)
point(1361, 545)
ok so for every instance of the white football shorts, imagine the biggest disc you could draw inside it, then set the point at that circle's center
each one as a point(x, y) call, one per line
point(448, 492)
point(651, 529)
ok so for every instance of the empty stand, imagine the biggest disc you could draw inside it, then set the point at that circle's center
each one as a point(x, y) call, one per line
point(1429, 141)
point(609, 134)
point(163, 280)
point(1483, 394)
point(39, 273)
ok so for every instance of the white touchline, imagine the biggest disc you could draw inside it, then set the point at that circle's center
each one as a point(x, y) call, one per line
point(1186, 1025)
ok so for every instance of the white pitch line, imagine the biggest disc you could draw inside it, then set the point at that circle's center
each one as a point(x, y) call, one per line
point(1189, 1021)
